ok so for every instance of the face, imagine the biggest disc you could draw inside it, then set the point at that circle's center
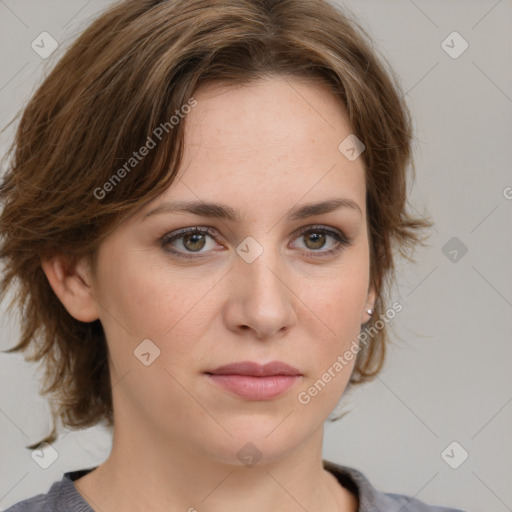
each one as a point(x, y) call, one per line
point(253, 281)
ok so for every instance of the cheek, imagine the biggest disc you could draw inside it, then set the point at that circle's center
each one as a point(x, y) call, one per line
point(332, 343)
point(146, 302)
point(149, 299)
point(332, 315)
point(338, 299)
point(157, 303)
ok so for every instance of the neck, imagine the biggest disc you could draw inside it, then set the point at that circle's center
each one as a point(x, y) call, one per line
point(170, 475)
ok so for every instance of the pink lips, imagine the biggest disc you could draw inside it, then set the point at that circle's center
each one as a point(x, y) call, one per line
point(254, 381)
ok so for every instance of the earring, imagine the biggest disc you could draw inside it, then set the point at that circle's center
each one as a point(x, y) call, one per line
point(370, 311)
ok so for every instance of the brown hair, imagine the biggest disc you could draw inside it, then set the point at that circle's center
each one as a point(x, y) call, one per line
point(129, 72)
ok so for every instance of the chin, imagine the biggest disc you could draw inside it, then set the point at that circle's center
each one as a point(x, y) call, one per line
point(263, 440)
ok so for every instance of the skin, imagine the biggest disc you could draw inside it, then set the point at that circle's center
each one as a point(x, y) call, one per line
point(262, 149)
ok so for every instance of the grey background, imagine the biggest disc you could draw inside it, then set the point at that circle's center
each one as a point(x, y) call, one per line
point(447, 377)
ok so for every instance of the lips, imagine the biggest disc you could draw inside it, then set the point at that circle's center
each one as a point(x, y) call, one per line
point(256, 370)
point(253, 381)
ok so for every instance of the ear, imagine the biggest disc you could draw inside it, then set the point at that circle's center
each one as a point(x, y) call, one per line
point(369, 304)
point(73, 286)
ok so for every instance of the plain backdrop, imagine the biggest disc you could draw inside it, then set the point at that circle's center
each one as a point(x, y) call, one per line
point(447, 378)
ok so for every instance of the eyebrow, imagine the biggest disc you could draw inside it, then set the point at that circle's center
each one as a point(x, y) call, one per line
point(219, 211)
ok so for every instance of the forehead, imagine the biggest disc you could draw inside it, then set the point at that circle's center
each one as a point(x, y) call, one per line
point(268, 111)
point(273, 140)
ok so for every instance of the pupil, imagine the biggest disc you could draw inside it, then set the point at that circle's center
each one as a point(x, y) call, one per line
point(196, 237)
point(319, 238)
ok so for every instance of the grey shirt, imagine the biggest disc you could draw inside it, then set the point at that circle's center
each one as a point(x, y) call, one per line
point(64, 497)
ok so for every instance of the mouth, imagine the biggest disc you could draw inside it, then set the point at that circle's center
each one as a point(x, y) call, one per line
point(254, 381)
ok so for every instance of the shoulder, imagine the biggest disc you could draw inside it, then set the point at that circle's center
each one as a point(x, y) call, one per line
point(61, 497)
point(372, 500)
point(35, 504)
point(410, 504)
point(38, 503)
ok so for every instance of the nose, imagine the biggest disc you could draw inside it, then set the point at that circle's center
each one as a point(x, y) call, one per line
point(261, 297)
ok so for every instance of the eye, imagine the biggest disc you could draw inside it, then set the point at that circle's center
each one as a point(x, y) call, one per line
point(191, 240)
point(316, 237)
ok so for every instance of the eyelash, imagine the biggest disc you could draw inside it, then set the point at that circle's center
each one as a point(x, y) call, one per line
point(342, 241)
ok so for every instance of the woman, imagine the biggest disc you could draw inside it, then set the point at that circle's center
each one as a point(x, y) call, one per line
point(201, 211)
